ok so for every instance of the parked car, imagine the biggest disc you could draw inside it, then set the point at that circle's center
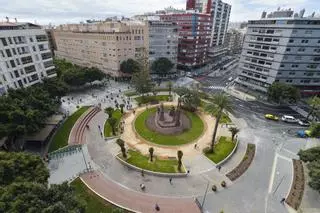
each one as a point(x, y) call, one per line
point(271, 117)
point(303, 122)
point(289, 119)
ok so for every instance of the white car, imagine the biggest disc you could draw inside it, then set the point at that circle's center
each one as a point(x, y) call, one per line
point(289, 119)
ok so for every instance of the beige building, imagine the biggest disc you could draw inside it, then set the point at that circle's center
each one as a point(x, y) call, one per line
point(103, 44)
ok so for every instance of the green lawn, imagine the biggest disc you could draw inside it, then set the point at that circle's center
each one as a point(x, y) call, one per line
point(193, 133)
point(141, 161)
point(94, 203)
point(61, 137)
point(148, 99)
point(107, 128)
point(221, 150)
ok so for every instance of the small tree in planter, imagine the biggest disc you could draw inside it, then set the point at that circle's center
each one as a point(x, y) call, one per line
point(180, 154)
point(112, 122)
point(234, 131)
point(123, 148)
point(223, 184)
point(151, 150)
point(121, 108)
point(109, 111)
point(214, 188)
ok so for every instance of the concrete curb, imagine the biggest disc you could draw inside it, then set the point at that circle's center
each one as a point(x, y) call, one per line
point(161, 174)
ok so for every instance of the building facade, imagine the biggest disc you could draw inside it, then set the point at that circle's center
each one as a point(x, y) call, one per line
point(103, 45)
point(163, 41)
point(282, 47)
point(25, 57)
point(234, 41)
point(194, 37)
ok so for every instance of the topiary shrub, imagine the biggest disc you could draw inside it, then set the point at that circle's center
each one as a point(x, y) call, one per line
point(214, 188)
point(223, 184)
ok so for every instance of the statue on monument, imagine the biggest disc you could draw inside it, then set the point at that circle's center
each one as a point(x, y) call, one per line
point(161, 118)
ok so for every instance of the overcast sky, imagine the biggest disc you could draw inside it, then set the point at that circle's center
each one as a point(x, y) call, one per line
point(70, 11)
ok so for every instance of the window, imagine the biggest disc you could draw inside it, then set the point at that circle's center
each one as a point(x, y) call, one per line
point(308, 32)
point(14, 51)
point(282, 65)
point(288, 49)
point(294, 65)
point(8, 52)
point(292, 73)
point(316, 58)
point(312, 66)
point(31, 39)
point(289, 81)
point(294, 31)
point(12, 63)
point(291, 41)
point(276, 40)
point(33, 48)
point(4, 42)
point(10, 40)
point(304, 41)
point(316, 50)
point(298, 57)
point(301, 49)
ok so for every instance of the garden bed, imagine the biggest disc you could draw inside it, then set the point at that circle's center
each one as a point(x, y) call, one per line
point(244, 164)
point(136, 159)
point(222, 149)
point(107, 128)
point(61, 137)
point(297, 188)
point(94, 203)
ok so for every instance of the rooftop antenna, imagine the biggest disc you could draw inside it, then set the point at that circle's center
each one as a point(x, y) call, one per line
point(312, 15)
point(278, 8)
point(7, 18)
point(16, 20)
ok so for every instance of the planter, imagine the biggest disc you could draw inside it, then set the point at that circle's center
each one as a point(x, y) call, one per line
point(214, 188)
point(223, 184)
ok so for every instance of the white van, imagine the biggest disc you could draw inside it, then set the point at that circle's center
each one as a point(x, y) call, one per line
point(289, 119)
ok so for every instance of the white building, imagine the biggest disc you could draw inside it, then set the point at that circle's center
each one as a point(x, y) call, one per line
point(25, 58)
point(281, 47)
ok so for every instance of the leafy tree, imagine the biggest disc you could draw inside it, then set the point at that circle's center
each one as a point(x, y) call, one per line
point(120, 142)
point(35, 197)
point(314, 103)
point(280, 92)
point(93, 74)
point(189, 98)
point(315, 130)
point(130, 66)
point(234, 131)
point(169, 85)
point(112, 122)
point(179, 154)
point(109, 111)
point(313, 157)
point(141, 82)
point(151, 150)
point(121, 108)
point(220, 102)
point(162, 66)
point(55, 87)
point(22, 167)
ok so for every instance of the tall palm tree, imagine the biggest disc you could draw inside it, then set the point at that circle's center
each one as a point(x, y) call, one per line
point(121, 143)
point(169, 85)
point(109, 111)
point(151, 150)
point(234, 131)
point(112, 122)
point(180, 154)
point(219, 103)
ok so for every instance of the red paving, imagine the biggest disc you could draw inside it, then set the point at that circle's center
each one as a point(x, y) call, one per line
point(136, 201)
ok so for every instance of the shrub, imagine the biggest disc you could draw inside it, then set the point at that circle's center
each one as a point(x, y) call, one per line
point(214, 188)
point(207, 150)
point(223, 184)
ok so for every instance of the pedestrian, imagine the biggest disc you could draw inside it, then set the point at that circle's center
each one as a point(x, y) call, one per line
point(157, 207)
point(142, 173)
point(219, 168)
point(134, 112)
point(99, 127)
point(282, 200)
point(170, 180)
point(195, 146)
point(101, 134)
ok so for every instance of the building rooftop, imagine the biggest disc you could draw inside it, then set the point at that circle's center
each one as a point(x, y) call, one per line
point(18, 25)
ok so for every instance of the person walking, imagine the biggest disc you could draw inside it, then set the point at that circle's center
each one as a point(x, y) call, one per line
point(157, 208)
point(195, 146)
point(282, 200)
point(170, 181)
point(142, 173)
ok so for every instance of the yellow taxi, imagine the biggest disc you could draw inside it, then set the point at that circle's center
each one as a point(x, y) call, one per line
point(271, 117)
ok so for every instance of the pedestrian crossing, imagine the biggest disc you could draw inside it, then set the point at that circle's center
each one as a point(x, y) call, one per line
point(216, 87)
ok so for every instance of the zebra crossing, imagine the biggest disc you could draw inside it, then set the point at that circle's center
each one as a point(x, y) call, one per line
point(217, 87)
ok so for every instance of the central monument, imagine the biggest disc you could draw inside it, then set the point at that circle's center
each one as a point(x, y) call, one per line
point(169, 118)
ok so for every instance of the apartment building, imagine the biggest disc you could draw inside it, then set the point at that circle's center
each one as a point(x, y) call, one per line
point(103, 45)
point(25, 57)
point(282, 46)
point(194, 37)
point(163, 41)
point(234, 41)
point(220, 14)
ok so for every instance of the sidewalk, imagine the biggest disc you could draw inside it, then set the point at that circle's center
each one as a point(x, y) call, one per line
point(239, 94)
point(136, 201)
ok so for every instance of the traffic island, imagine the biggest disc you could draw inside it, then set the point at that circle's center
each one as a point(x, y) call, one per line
point(244, 164)
point(297, 188)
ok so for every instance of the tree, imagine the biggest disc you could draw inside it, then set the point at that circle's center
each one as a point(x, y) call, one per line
point(234, 131)
point(112, 122)
point(130, 66)
point(169, 85)
point(35, 197)
point(151, 150)
point(22, 167)
point(190, 98)
point(141, 82)
point(313, 157)
point(220, 102)
point(315, 129)
point(120, 142)
point(180, 154)
point(314, 103)
point(280, 92)
point(55, 87)
point(109, 111)
point(121, 108)
point(162, 66)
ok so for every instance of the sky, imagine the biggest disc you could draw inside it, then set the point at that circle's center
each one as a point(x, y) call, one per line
point(73, 11)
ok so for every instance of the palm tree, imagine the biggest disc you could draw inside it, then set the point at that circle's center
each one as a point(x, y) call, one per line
point(234, 131)
point(112, 122)
point(151, 150)
point(169, 85)
point(121, 108)
point(109, 111)
point(120, 142)
point(180, 154)
point(220, 102)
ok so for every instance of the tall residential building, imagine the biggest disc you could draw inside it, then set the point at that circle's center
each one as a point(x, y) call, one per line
point(163, 41)
point(220, 14)
point(282, 47)
point(25, 57)
point(234, 41)
point(194, 37)
point(103, 45)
